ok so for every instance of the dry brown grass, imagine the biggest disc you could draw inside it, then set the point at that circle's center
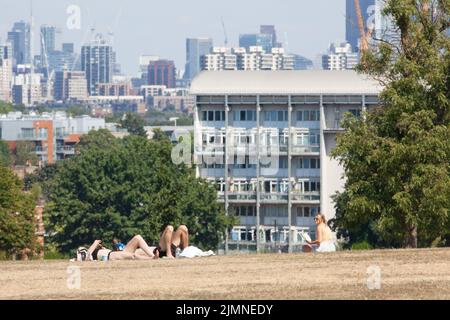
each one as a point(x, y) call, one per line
point(406, 274)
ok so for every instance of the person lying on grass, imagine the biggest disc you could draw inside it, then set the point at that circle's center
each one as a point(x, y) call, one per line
point(138, 249)
point(135, 249)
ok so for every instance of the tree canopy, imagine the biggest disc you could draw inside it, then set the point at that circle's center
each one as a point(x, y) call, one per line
point(126, 187)
point(16, 214)
point(134, 124)
point(397, 157)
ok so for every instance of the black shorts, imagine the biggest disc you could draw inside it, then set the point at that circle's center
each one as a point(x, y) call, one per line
point(173, 249)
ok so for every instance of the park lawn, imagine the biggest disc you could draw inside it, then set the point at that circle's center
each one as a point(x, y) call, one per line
point(405, 274)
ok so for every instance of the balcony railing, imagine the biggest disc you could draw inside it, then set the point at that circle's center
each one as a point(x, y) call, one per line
point(269, 196)
point(66, 150)
point(41, 149)
point(35, 136)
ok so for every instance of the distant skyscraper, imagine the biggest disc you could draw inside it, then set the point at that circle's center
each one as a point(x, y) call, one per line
point(162, 72)
point(195, 49)
point(97, 61)
point(70, 85)
point(302, 63)
point(19, 37)
point(48, 39)
point(5, 73)
point(352, 34)
point(270, 29)
point(340, 57)
point(68, 48)
point(256, 40)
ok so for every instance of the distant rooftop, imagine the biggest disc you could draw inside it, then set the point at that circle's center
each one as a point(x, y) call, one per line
point(301, 82)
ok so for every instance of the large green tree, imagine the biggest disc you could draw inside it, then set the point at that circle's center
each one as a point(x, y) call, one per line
point(397, 158)
point(129, 187)
point(5, 154)
point(16, 214)
point(134, 123)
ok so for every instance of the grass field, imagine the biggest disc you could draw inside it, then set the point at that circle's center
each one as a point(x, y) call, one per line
point(405, 274)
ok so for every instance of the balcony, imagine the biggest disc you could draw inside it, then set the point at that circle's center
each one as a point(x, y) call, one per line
point(307, 197)
point(244, 196)
point(40, 150)
point(32, 137)
point(333, 126)
point(65, 150)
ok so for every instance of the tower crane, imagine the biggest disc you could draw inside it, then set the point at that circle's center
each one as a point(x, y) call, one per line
point(365, 35)
point(225, 33)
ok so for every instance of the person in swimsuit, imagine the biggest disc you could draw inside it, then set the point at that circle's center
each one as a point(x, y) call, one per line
point(324, 237)
point(170, 241)
point(135, 249)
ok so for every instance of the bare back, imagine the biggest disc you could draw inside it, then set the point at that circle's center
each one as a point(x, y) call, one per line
point(324, 233)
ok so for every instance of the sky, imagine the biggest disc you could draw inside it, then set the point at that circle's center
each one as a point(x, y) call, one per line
point(160, 28)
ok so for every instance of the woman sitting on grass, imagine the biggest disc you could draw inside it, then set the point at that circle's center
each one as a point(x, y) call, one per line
point(324, 237)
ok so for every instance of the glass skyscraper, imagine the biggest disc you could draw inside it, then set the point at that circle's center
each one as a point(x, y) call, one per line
point(97, 62)
point(195, 49)
point(19, 37)
point(256, 39)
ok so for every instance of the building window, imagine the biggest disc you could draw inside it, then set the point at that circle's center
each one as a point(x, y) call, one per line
point(308, 115)
point(283, 163)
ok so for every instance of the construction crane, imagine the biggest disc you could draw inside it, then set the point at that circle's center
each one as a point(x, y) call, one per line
point(225, 33)
point(365, 35)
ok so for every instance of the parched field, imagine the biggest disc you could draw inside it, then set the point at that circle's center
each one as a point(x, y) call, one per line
point(405, 274)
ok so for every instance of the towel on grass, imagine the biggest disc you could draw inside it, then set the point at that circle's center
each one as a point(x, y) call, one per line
point(191, 252)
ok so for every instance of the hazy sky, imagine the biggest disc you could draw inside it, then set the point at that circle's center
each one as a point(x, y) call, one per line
point(161, 27)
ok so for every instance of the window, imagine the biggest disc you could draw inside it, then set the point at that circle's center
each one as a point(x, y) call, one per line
point(308, 115)
point(210, 115)
point(243, 115)
point(356, 113)
point(283, 163)
point(306, 212)
point(218, 116)
point(27, 132)
point(204, 115)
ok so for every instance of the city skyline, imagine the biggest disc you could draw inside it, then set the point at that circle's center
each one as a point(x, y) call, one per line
point(179, 20)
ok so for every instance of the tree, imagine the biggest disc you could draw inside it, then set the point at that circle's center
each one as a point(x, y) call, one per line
point(78, 110)
point(5, 154)
point(134, 124)
point(396, 158)
point(129, 187)
point(16, 215)
point(5, 107)
point(24, 154)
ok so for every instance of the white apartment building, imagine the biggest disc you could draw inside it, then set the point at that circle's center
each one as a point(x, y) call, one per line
point(255, 58)
point(340, 57)
point(220, 58)
point(264, 139)
point(5, 79)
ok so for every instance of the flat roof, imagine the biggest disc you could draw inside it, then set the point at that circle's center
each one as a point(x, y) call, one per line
point(298, 82)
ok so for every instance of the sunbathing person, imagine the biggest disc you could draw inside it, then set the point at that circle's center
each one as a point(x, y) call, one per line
point(324, 237)
point(170, 241)
point(136, 248)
